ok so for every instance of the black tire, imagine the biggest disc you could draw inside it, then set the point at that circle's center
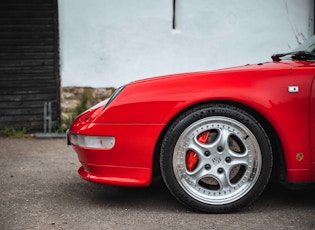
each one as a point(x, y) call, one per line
point(216, 158)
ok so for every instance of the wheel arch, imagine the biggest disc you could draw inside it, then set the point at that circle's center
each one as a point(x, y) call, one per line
point(278, 171)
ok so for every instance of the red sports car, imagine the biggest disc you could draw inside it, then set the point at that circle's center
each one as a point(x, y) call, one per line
point(214, 136)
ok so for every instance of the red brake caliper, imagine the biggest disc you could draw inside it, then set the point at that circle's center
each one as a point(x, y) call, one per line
point(191, 160)
point(203, 137)
point(191, 157)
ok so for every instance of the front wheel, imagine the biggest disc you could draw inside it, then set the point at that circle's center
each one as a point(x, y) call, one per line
point(216, 158)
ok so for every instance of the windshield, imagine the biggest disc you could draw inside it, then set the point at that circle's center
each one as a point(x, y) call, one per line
point(308, 46)
point(305, 52)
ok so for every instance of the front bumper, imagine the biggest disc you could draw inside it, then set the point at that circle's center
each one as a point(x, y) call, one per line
point(116, 175)
point(128, 162)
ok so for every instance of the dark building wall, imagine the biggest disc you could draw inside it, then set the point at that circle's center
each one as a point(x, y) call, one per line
point(29, 62)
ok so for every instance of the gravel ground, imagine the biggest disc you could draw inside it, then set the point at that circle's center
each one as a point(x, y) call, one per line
point(40, 189)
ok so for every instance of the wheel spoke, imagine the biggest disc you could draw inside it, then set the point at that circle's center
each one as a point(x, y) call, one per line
point(223, 140)
point(239, 159)
point(197, 148)
point(199, 174)
point(224, 181)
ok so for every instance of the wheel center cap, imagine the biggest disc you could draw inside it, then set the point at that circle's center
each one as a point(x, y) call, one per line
point(216, 160)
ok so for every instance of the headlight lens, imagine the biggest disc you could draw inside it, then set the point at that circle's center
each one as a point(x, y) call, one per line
point(105, 142)
point(115, 94)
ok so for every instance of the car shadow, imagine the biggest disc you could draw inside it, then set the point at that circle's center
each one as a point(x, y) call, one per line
point(156, 197)
point(277, 197)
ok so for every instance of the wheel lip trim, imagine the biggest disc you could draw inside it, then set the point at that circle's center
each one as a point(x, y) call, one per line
point(195, 190)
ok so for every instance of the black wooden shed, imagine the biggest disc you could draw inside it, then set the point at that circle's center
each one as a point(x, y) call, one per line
point(29, 63)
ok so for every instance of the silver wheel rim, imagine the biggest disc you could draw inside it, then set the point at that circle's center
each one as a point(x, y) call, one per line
point(231, 169)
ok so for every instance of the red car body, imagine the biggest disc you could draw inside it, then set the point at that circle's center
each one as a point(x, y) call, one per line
point(261, 87)
point(279, 94)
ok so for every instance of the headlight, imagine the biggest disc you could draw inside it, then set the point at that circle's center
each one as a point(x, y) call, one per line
point(115, 94)
point(106, 142)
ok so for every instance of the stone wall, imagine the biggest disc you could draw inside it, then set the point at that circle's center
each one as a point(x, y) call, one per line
point(71, 99)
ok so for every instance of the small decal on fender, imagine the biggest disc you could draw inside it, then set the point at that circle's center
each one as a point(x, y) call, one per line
point(299, 156)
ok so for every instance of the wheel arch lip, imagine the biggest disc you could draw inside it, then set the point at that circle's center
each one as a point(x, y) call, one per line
point(276, 144)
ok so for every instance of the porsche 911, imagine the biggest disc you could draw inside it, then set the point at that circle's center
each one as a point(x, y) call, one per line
point(214, 137)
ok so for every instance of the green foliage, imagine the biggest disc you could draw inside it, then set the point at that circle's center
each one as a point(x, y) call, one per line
point(66, 121)
point(12, 132)
point(81, 107)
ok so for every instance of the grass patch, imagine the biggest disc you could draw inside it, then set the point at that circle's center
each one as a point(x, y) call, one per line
point(12, 132)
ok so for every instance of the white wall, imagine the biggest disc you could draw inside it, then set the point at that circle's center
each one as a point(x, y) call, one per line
point(107, 43)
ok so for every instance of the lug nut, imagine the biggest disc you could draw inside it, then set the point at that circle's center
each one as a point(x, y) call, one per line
point(207, 166)
point(220, 148)
point(207, 153)
point(228, 159)
point(220, 170)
